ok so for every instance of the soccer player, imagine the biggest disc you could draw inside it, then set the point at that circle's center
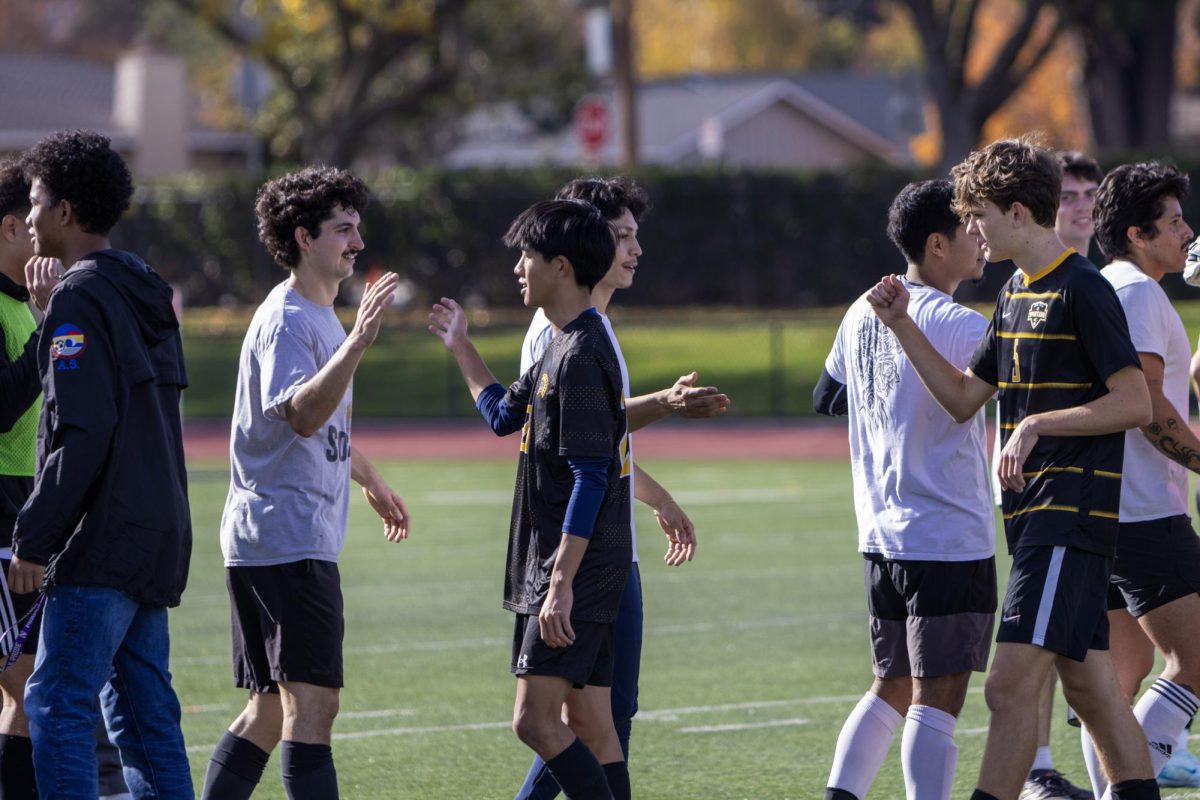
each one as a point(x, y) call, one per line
point(19, 408)
point(1070, 384)
point(292, 460)
point(106, 533)
point(569, 542)
point(925, 520)
point(1140, 226)
point(623, 203)
point(1081, 175)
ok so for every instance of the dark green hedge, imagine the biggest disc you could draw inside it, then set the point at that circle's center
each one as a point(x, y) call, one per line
point(715, 237)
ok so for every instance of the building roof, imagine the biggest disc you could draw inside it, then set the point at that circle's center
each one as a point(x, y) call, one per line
point(877, 113)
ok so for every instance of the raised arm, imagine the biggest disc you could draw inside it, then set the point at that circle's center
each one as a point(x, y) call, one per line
point(310, 407)
point(961, 393)
point(1127, 405)
point(448, 322)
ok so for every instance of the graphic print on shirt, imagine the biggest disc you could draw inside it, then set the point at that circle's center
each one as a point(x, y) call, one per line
point(877, 366)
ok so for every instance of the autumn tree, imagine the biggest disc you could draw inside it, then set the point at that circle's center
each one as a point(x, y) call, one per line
point(352, 75)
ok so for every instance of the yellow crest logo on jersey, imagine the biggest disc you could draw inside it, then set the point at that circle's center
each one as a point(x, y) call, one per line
point(544, 386)
point(525, 428)
point(1037, 313)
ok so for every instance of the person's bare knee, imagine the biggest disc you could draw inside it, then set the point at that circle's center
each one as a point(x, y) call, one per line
point(589, 715)
point(308, 711)
point(12, 686)
point(945, 693)
point(261, 721)
point(896, 692)
point(1017, 677)
point(537, 714)
point(1175, 630)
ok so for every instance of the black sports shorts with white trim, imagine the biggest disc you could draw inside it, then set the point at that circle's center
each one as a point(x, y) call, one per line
point(14, 608)
point(1158, 561)
point(929, 618)
point(1057, 599)
point(287, 624)
point(588, 661)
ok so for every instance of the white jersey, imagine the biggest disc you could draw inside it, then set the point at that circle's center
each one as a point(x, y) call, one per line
point(1152, 485)
point(536, 339)
point(920, 479)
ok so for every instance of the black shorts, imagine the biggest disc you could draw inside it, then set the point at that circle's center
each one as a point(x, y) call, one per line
point(586, 662)
point(14, 612)
point(1057, 599)
point(1158, 561)
point(287, 624)
point(929, 618)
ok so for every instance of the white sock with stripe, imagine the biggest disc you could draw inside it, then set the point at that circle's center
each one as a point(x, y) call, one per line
point(863, 745)
point(928, 753)
point(1164, 712)
point(1092, 761)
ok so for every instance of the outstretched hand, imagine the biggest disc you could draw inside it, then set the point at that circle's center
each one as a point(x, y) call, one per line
point(448, 322)
point(687, 399)
point(889, 300)
point(376, 298)
point(391, 509)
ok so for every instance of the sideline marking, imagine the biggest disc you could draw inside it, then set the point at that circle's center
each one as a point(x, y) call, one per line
point(695, 497)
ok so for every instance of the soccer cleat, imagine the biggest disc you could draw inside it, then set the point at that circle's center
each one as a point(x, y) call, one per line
point(1183, 770)
point(1191, 269)
point(1050, 784)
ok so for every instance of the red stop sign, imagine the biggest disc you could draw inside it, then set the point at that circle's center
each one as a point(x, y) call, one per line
point(592, 123)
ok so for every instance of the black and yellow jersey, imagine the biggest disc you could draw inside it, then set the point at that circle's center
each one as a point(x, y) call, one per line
point(1054, 339)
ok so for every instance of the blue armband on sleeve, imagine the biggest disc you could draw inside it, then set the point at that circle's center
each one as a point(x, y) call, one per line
point(503, 418)
point(591, 482)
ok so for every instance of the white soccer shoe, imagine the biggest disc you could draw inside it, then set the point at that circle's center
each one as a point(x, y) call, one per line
point(1191, 270)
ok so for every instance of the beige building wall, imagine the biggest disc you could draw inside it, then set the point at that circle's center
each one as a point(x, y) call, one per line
point(781, 136)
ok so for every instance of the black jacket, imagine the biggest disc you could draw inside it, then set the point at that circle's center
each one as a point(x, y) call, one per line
point(109, 506)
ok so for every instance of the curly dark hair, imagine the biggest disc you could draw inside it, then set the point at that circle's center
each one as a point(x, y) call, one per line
point(1010, 171)
point(82, 168)
point(575, 229)
point(14, 189)
point(303, 199)
point(611, 195)
point(920, 210)
point(1133, 194)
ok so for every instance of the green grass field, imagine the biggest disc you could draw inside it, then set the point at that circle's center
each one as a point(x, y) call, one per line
point(754, 653)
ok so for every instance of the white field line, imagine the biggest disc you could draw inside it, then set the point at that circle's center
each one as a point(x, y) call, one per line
point(745, 726)
point(487, 497)
point(495, 641)
point(656, 715)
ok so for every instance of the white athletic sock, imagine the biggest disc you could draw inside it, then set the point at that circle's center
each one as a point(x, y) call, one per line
point(1092, 760)
point(1181, 745)
point(863, 745)
point(1164, 712)
point(928, 753)
point(1043, 759)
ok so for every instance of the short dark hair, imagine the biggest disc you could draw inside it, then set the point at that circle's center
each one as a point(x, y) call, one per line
point(574, 229)
point(14, 189)
point(81, 167)
point(611, 195)
point(1010, 171)
point(1133, 194)
point(1079, 165)
point(920, 210)
point(303, 199)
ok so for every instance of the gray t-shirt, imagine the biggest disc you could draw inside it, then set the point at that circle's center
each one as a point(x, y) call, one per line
point(288, 495)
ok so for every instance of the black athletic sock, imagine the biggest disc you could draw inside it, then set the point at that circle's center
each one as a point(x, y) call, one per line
point(17, 781)
point(579, 773)
point(838, 794)
point(234, 769)
point(617, 775)
point(980, 794)
point(307, 771)
point(1144, 789)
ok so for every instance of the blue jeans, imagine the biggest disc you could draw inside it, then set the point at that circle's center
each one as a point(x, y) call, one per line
point(101, 642)
point(627, 664)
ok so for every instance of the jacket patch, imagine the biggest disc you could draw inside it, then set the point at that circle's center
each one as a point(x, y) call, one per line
point(66, 345)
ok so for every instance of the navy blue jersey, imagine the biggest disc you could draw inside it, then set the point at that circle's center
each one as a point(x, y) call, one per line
point(1054, 339)
point(574, 408)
